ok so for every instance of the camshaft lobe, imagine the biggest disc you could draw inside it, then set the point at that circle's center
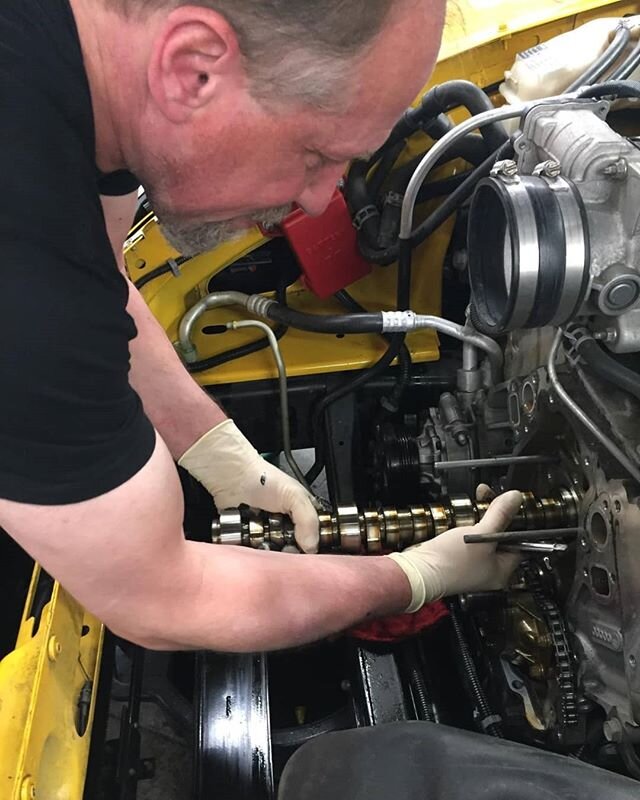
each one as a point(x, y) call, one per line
point(351, 530)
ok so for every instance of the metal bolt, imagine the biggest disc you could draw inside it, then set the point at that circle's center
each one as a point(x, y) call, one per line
point(622, 295)
point(549, 169)
point(613, 730)
point(632, 662)
point(54, 648)
point(585, 706)
point(584, 543)
point(607, 335)
point(617, 170)
point(28, 789)
point(517, 685)
point(505, 168)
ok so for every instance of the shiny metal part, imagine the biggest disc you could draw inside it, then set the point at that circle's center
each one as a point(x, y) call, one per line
point(348, 519)
point(351, 530)
point(494, 461)
point(524, 251)
point(575, 250)
point(284, 393)
point(539, 548)
point(518, 686)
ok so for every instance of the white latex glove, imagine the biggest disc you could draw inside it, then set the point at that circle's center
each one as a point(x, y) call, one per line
point(233, 471)
point(446, 565)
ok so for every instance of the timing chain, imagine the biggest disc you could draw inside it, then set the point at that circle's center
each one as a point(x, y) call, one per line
point(562, 654)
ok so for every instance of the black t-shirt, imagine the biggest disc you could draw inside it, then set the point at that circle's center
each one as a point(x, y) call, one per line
point(71, 426)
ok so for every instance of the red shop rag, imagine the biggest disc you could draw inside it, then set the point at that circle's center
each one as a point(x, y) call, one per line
point(400, 626)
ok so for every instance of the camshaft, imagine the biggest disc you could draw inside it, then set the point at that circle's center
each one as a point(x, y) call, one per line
point(351, 530)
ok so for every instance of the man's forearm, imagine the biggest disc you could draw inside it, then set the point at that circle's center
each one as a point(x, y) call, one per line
point(178, 408)
point(173, 401)
point(237, 600)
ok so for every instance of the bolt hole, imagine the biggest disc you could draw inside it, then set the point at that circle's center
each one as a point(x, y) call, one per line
point(339, 335)
point(632, 662)
point(85, 630)
point(599, 529)
point(600, 581)
point(340, 444)
point(617, 506)
point(528, 399)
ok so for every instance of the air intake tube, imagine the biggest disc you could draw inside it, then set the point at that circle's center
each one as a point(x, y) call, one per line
point(528, 247)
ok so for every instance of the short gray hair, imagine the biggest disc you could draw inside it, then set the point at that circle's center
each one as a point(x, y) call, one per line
point(299, 49)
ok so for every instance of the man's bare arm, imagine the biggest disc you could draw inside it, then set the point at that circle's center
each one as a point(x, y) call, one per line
point(173, 401)
point(124, 557)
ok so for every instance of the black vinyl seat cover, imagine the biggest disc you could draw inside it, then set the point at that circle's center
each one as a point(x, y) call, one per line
point(423, 761)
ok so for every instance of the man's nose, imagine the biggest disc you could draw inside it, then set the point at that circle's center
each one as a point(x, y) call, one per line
point(315, 198)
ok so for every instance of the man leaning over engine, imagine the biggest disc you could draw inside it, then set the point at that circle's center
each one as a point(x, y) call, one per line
point(226, 111)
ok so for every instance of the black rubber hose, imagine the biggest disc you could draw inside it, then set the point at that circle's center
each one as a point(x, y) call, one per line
point(238, 352)
point(612, 89)
point(362, 203)
point(470, 676)
point(441, 99)
point(362, 378)
point(330, 323)
point(163, 269)
point(396, 343)
point(605, 61)
point(604, 366)
point(392, 402)
point(384, 167)
point(392, 209)
point(471, 148)
point(441, 214)
point(362, 197)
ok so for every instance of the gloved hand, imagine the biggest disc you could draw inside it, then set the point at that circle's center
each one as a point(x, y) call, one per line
point(233, 471)
point(446, 565)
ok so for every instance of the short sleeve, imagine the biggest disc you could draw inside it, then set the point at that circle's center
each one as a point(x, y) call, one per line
point(117, 184)
point(71, 426)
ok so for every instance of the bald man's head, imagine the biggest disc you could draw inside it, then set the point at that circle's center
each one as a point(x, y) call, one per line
point(293, 48)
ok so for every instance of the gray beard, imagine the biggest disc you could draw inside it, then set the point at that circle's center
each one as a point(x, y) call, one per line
point(191, 239)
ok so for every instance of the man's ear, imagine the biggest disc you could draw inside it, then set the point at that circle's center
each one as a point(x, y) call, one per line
point(195, 52)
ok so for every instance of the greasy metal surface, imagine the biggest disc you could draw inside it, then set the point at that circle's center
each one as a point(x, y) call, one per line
point(41, 684)
point(353, 530)
point(377, 689)
point(603, 606)
point(233, 728)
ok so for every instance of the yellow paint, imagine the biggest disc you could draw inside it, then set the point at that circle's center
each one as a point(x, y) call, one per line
point(41, 754)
